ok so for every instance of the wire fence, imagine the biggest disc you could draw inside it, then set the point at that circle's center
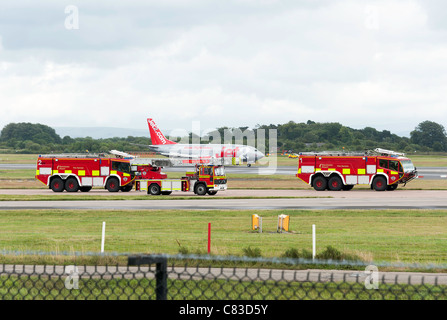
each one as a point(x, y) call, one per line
point(163, 277)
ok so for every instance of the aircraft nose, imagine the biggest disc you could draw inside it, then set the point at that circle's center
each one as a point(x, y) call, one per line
point(259, 155)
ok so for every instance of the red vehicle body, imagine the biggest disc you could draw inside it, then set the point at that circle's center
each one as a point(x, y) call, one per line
point(383, 171)
point(205, 179)
point(82, 172)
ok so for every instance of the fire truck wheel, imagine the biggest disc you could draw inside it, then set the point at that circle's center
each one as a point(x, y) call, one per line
point(200, 189)
point(348, 187)
point(71, 185)
point(126, 188)
point(154, 189)
point(113, 185)
point(335, 183)
point(379, 183)
point(85, 189)
point(319, 183)
point(57, 185)
point(212, 193)
point(392, 187)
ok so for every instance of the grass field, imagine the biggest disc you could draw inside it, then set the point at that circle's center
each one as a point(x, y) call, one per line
point(390, 235)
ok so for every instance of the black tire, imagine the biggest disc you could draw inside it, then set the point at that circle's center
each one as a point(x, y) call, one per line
point(113, 185)
point(127, 187)
point(71, 185)
point(319, 183)
point(200, 189)
point(392, 187)
point(211, 192)
point(57, 185)
point(348, 187)
point(379, 183)
point(335, 183)
point(154, 189)
point(166, 193)
point(85, 189)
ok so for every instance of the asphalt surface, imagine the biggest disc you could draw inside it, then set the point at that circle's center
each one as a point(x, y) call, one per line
point(243, 200)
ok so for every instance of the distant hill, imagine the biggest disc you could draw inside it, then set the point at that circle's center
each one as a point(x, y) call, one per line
point(100, 132)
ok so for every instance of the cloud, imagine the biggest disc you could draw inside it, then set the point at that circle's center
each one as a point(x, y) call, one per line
point(233, 63)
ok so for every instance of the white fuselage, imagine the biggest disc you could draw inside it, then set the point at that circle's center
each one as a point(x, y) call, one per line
point(209, 151)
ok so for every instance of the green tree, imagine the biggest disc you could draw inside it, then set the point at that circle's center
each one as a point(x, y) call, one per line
point(431, 135)
point(35, 132)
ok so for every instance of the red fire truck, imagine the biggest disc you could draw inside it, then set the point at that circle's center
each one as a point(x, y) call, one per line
point(381, 169)
point(73, 172)
point(206, 178)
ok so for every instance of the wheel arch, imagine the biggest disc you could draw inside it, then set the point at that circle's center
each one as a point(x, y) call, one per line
point(112, 176)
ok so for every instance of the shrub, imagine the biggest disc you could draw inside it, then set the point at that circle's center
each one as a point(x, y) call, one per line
point(252, 252)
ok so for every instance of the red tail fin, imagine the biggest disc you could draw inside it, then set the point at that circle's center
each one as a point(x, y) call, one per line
point(157, 136)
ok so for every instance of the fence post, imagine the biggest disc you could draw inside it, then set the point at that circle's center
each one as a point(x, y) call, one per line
point(161, 280)
point(161, 272)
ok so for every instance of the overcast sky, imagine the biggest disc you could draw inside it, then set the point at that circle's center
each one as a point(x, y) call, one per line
point(381, 64)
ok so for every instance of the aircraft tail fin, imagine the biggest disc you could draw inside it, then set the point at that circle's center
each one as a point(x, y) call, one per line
point(157, 136)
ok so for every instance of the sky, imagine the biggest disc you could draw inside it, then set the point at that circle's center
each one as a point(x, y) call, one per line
point(231, 63)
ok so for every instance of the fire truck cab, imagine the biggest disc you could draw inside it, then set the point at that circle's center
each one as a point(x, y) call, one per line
point(73, 172)
point(381, 169)
point(204, 179)
point(207, 179)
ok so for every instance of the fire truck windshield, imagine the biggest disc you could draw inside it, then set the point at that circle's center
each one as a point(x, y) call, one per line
point(121, 166)
point(407, 165)
point(219, 171)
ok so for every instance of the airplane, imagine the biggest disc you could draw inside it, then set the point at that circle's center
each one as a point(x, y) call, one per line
point(162, 145)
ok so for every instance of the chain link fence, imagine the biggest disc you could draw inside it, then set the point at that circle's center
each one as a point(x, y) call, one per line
point(161, 277)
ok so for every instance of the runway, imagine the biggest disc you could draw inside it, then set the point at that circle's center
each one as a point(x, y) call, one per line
point(243, 200)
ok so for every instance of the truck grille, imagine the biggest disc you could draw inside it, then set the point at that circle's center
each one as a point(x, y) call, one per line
point(221, 181)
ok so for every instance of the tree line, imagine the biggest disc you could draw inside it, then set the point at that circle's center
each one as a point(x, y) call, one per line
point(291, 136)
